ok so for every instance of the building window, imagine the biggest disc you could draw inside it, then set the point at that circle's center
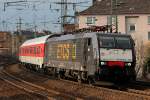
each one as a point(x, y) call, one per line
point(91, 20)
point(109, 20)
point(132, 28)
point(148, 19)
point(148, 35)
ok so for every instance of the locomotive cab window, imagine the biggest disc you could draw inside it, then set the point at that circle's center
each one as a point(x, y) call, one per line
point(107, 42)
point(123, 42)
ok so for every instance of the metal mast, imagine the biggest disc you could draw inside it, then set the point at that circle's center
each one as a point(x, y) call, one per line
point(113, 12)
point(64, 8)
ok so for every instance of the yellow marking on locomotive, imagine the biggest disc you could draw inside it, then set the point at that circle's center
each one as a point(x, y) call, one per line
point(74, 51)
point(64, 51)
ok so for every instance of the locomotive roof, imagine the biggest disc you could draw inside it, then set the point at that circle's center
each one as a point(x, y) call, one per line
point(38, 40)
point(84, 35)
point(114, 34)
point(43, 39)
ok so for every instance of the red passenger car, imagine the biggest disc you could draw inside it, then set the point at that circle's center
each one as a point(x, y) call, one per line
point(33, 51)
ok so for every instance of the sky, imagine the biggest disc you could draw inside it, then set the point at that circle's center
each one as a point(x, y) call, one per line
point(35, 12)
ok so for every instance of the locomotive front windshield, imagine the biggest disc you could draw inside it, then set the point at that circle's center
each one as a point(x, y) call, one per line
point(123, 42)
point(107, 42)
point(115, 42)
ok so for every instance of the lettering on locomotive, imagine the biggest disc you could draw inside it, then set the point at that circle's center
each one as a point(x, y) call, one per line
point(66, 51)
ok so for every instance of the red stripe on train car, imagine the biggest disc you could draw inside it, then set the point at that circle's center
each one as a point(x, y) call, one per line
point(37, 50)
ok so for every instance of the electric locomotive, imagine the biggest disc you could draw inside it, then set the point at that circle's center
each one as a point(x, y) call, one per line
point(89, 56)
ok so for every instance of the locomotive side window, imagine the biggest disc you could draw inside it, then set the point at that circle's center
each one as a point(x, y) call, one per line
point(89, 42)
point(123, 42)
point(107, 42)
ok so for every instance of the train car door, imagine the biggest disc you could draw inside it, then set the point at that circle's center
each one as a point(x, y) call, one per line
point(89, 57)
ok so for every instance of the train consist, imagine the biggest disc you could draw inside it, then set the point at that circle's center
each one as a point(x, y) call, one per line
point(89, 56)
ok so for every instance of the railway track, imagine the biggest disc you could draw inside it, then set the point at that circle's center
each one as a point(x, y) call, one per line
point(129, 91)
point(132, 91)
point(86, 91)
point(33, 88)
point(139, 87)
point(136, 87)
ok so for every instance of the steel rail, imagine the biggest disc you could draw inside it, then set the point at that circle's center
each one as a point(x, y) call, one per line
point(32, 88)
point(127, 91)
point(102, 90)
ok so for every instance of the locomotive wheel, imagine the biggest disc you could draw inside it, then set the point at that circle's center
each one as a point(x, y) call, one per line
point(60, 75)
point(45, 70)
point(91, 80)
point(36, 68)
point(79, 79)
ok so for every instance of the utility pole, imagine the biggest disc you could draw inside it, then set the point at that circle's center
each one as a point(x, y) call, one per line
point(64, 9)
point(3, 24)
point(19, 25)
point(35, 29)
point(113, 12)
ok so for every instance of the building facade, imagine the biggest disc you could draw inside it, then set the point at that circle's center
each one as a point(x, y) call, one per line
point(132, 17)
point(5, 43)
point(138, 25)
point(126, 16)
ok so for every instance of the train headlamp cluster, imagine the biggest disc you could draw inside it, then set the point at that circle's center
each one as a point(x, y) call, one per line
point(128, 64)
point(103, 63)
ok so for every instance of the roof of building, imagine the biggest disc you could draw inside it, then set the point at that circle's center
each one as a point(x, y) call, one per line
point(103, 7)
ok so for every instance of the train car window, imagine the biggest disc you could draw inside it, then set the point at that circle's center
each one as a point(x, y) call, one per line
point(123, 42)
point(89, 41)
point(31, 50)
point(38, 50)
point(34, 50)
point(20, 51)
point(107, 42)
point(27, 50)
point(23, 51)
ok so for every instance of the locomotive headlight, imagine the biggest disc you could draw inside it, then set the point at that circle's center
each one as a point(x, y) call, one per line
point(128, 64)
point(103, 63)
